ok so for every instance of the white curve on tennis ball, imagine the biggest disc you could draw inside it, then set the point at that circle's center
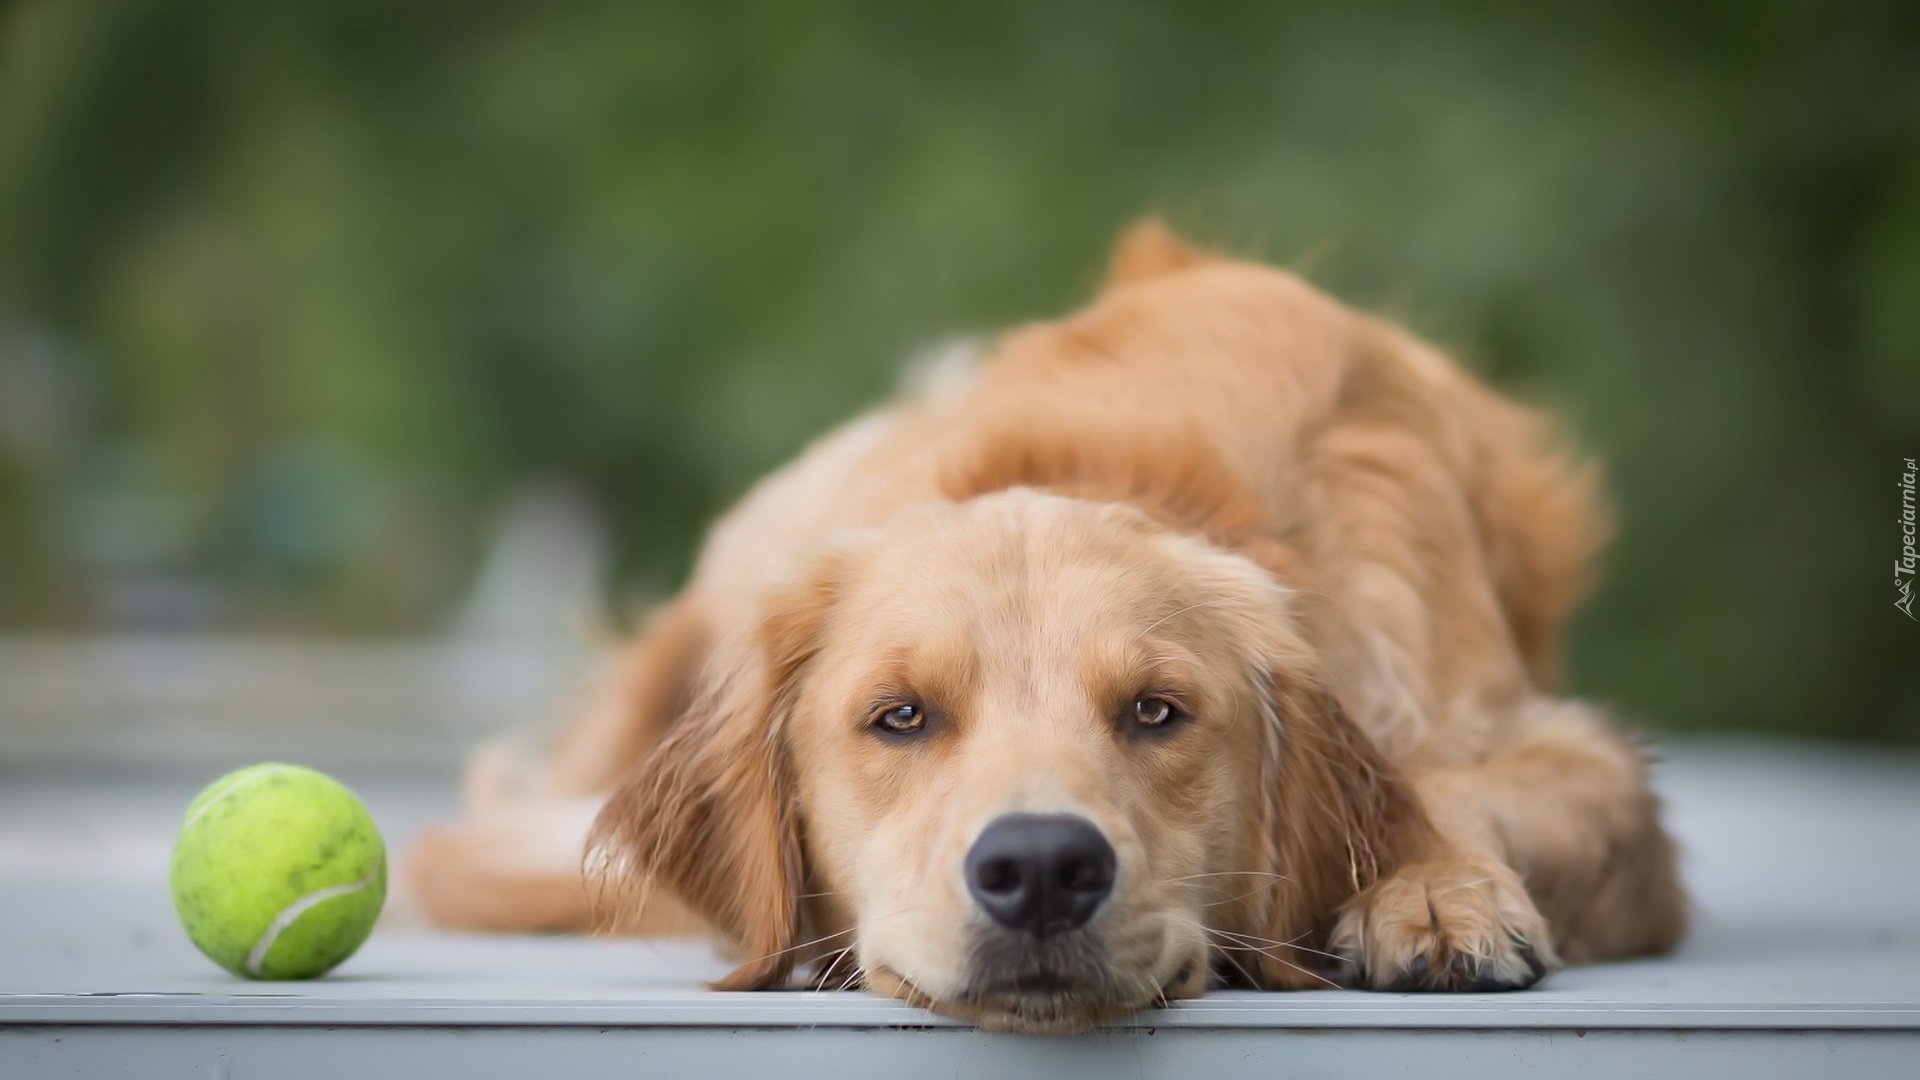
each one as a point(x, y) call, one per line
point(228, 790)
point(288, 914)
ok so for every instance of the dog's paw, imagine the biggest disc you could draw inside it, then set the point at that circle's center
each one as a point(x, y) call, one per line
point(1454, 924)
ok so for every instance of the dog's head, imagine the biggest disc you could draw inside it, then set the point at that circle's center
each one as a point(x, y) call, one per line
point(1032, 760)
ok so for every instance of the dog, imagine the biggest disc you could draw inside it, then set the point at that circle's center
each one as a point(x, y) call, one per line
point(1209, 636)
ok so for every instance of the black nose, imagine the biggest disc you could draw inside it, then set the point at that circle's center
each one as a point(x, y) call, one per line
point(1040, 873)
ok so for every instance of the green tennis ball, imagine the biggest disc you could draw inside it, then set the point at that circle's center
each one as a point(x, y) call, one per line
point(279, 872)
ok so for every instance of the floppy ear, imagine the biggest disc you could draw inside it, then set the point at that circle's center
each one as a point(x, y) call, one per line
point(1331, 815)
point(1148, 249)
point(709, 815)
point(1336, 817)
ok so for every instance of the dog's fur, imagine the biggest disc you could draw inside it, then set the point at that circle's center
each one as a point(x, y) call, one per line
point(1345, 561)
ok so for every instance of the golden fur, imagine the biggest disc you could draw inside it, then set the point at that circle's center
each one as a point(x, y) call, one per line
point(1344, 559)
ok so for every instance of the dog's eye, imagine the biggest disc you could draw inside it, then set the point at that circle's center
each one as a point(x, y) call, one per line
point(902, 719)
point(1153, 712)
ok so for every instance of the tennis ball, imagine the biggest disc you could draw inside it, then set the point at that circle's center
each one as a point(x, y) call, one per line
point(279, 872)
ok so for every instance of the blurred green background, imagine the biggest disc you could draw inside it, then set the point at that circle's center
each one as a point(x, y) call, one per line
point(294, 295)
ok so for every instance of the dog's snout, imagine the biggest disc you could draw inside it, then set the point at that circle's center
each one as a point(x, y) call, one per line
point(1040, 873)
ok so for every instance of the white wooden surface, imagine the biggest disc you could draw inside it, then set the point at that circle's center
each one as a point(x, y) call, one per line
point(1805, 865)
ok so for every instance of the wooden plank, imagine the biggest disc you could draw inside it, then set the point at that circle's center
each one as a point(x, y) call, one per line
point(1805, 961)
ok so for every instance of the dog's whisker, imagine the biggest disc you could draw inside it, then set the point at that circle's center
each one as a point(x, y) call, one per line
point(803, 945)
point(1228, 950)
point(1233, 873)
point(1309, 949)
point(1228, 957)
point(827, 975)
point(1234, 899)
point(1278, 959)
point(1246, 939)
point(1320, 952)
point(927, 1001)
point(1269, 943)
point(1230, 943)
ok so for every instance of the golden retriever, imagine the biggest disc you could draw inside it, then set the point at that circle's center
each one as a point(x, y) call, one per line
point(1208, 636)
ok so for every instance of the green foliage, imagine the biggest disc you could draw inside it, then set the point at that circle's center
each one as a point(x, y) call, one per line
point(293, 293)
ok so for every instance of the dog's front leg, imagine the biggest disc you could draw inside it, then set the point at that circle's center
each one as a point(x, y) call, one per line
point(1548, 849)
